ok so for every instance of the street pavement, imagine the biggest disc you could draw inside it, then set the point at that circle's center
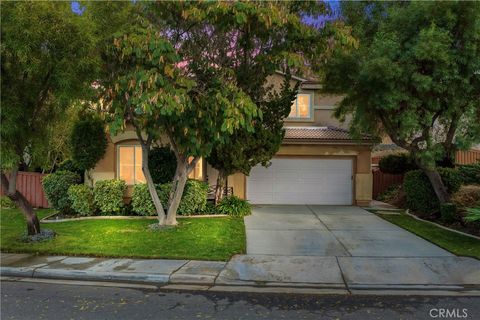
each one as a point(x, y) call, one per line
point(26, 300)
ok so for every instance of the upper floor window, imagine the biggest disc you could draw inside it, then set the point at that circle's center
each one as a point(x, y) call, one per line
point(301, 107)
point(129, 164)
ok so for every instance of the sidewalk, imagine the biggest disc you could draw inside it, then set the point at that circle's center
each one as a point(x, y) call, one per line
point(265, 273)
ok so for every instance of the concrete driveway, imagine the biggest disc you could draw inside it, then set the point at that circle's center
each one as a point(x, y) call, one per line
point(339, 231)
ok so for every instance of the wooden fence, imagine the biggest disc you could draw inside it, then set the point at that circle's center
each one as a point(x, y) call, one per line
point(381, 181)
point(467, 157)
point(30, 185)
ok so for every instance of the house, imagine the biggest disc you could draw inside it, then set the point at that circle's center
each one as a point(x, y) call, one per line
point(318, 162)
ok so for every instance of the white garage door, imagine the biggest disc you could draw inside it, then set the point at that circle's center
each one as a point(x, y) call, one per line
point(302, 181)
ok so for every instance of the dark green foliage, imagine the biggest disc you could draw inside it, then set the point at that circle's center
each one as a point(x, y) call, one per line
point(162, 164)
point(470, 173)
point(6, 203)
point(193, 202)
point(390, 194)
point(448, 212)
point(55, 186)
point(397, 163)
point(420, 195)
point(70, 165)
point(194, 199)
point(88, 142)
point(234, 206)
point(108, 196)
point(81, 197)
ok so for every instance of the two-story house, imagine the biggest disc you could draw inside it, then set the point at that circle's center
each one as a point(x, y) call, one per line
point(318, 162)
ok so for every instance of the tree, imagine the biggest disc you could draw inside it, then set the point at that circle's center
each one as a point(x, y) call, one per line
point(245, 149)
point(149, 90)
point(88, 141)
point(47, 62)
point(253, 40)
point(413, 77)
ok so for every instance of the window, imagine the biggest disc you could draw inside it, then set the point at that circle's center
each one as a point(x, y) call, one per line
point(129, 164)
point(197, 172)
point(301, 107)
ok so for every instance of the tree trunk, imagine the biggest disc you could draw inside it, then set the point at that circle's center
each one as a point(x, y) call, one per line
point(436, 180)
point(9, 186)
point(151, 186)
point(221, 181)
point(176, 193)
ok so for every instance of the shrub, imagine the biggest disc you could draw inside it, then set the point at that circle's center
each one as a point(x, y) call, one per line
point(390, 194)
point(6, 203)
point(473, 215)
point(88, 142)
point(141, 201)
point(234, 206)
point(397, 163)
point(162, 164)
point(419, 191)
point(81, 197)
point(55, 186)
point(467, 196)
point(70, 165)
point(108, 196)
point(470, 173)
point(194, 199)
point(448, 212)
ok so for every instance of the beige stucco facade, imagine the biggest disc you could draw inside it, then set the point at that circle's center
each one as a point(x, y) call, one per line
point(321, 115)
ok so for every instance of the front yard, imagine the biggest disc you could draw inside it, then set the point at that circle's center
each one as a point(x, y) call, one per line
point(456, 243)
point(193, 238)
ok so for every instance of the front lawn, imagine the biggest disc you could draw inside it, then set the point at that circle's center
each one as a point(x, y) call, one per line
point(456, 243)
point(193, 238)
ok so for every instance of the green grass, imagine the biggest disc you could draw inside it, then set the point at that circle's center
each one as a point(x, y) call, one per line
point(456, 243)
point(193, 238)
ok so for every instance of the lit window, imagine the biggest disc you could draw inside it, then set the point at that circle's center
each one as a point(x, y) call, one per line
point(129, 166)
point(197, 172)
point(300, 107)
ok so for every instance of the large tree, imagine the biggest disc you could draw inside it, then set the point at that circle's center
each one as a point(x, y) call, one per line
point(253, 40)
point(149, 89)
point(47, 62)
point(414, 76)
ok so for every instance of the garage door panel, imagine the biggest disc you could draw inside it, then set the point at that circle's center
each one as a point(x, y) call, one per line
point(302, 181)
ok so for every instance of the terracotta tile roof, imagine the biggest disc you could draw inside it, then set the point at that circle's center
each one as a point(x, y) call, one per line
point(319, 133)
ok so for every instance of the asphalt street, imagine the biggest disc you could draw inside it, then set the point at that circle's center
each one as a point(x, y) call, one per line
point(28, 300)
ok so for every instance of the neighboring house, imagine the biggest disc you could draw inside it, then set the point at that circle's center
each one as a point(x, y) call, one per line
point(318, 162)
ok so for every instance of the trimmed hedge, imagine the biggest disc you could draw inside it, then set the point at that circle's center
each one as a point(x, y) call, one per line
point(55, 186)
point(397, 163)
point(194, 199)
point(234, 206)
point(108, 196)
point(419, 191)
point(6, 203)
point(81, 197)
point(142, 203)
point(470, 173)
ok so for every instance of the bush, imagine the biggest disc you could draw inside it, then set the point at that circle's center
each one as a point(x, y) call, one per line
point(142, 203)
point(473, 215)
point(470, 173)
point(419, 191)
point(108, 196)
point(234, 206)
point(194, 199)
point(70, 165)
point(88, 142)
point(390, 194)
point(55, 186)
point(81, 197)
point(397, 163)
point(6, 203)
point(467, 196)
point(162, 164)
point(448, 212)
